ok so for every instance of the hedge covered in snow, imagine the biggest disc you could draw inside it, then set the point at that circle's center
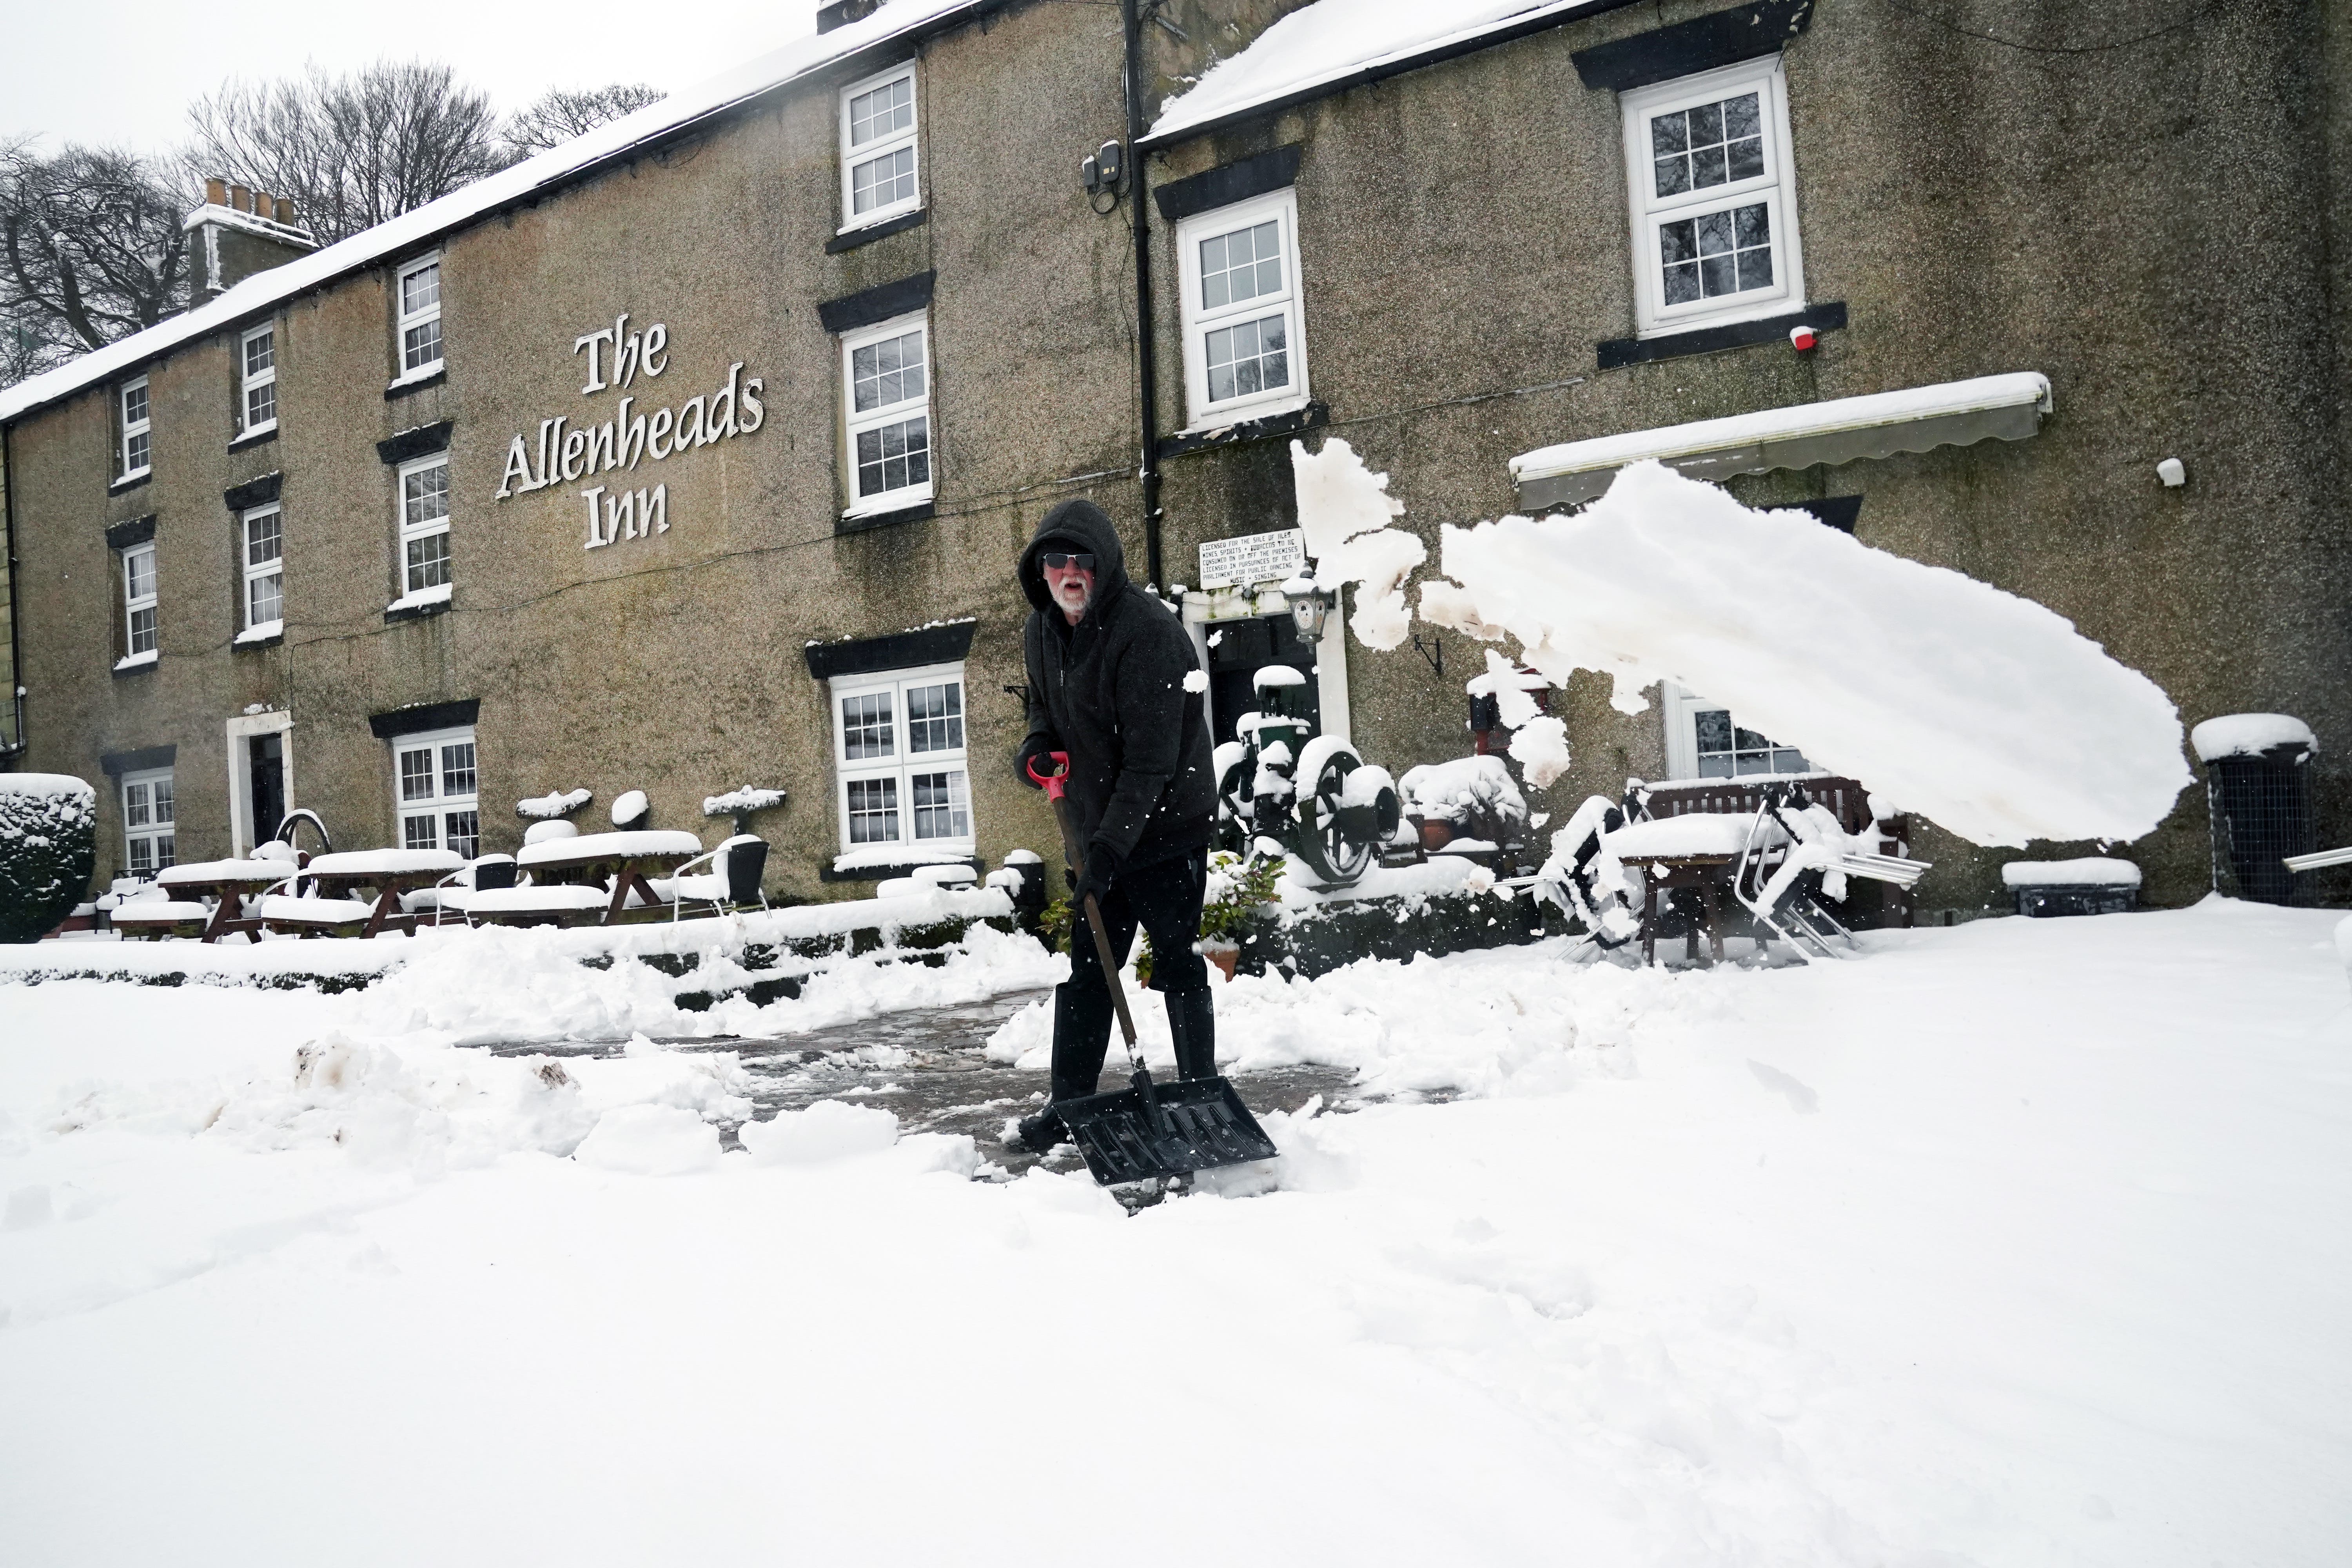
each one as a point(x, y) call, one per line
point(48, 846)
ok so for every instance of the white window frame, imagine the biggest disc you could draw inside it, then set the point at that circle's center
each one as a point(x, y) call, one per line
point(421, 821)
point(1682, 708)
point(148, 822)
point(903, 763)
point(909, 137)
point(413, 530)
point(1776, 187)
point(134, 601)
point(142, 428)
point(405, 321)
point(882, 416)
point(250, 573)
point(1201, 321)
point(250, 381)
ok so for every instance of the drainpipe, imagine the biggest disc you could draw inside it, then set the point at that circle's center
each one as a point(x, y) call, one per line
point(15, 671)
point(1147, 376)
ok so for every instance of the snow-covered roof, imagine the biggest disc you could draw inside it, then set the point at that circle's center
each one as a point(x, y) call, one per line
point(779, 68)
point(1338, 44)
point(1913, 419)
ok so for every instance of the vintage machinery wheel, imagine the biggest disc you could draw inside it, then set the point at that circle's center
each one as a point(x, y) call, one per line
point(1233, 766)
point(1342, 830)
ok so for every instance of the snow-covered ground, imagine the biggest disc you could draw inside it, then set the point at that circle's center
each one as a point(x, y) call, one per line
point(2019, 1243)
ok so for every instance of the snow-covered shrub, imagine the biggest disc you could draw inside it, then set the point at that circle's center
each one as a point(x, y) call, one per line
point(48, 848)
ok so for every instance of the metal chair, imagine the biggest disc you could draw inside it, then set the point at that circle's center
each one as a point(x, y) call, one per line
point(1782, 884)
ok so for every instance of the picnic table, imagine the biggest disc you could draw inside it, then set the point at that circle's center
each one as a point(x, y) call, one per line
point(228, 882)
point(1698, 850)
point(626, 860)
point(333, 879)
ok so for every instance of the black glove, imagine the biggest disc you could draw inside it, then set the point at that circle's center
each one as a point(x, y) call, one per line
point(1038, 748)
point(1102, 869)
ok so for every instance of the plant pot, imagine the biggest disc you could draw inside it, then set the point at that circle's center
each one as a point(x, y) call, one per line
point(1437, 833)
point(1223, 957)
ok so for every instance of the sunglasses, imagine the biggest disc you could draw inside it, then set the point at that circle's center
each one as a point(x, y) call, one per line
point(1062, 560)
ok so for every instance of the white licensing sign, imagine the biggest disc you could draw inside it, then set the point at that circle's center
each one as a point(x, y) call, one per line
point(1253, 558)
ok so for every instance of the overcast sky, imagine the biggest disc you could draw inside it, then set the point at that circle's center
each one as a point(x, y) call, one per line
point(121, 74)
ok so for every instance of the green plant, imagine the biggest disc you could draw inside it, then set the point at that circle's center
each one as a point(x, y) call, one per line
point(1238, 888)
point(48, 846)
point(1056, 922)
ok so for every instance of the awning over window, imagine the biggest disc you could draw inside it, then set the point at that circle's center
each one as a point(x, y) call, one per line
point(1917, 419)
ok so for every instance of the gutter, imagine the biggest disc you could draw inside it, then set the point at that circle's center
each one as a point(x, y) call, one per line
point(1541, 21)
point(1147, 369)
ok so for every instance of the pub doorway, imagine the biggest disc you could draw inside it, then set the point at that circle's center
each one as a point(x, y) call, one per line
point(1238, 650)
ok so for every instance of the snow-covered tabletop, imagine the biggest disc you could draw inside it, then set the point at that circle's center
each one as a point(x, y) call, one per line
point(386, 862)
point(533, 901)
point(1693, 832)
point(284, 909)
point(589, 848)
point(215, 873)
point(159, 911)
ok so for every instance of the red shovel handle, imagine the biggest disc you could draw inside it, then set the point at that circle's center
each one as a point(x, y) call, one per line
point(1057, 781)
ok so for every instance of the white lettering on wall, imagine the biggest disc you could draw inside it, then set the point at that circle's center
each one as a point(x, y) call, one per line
point(561, 453)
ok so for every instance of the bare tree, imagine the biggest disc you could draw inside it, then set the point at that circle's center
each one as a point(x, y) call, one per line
point(90, 251)
point(352, 151)
point(559, 115)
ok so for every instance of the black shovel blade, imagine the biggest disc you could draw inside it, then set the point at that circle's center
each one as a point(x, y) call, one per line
point(1163, 1128)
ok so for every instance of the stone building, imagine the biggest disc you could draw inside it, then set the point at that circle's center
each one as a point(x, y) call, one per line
point(695, 454)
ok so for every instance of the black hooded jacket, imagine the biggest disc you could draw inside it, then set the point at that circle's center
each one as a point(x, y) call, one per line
point(1110, 691)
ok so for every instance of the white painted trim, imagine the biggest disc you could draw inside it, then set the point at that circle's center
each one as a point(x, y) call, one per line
point(402, 319)
point(1776, 187)
point(856, 424)
point(130, 427)
point(249, 382)
point(911, 136)
point(436, 804)
point(240, 771)
point(1198, 321)
point(902, 762)
point(405, 531)
point(1332, 673)
point(248, 572)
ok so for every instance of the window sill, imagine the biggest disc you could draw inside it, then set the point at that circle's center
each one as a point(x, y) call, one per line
point(267, 434)
point(1265, 426)
point(137, 663)
point(269, 634)
point(129, 482)
point(415, 606)
point(856, 521)
point(416, 381)
point(867, 233)
point(1618, 352)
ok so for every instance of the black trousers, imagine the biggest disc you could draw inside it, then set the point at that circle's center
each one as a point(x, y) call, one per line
point(1164, 898)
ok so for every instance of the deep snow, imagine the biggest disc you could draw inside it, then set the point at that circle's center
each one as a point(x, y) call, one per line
point(2017, 1243)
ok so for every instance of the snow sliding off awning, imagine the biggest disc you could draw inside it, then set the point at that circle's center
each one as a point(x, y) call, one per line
point(1917, 419)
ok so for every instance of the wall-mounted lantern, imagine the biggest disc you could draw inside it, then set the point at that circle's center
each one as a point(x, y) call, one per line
point(1310, 606)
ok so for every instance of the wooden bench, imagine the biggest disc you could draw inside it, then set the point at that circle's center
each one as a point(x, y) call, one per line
point(1846, 799)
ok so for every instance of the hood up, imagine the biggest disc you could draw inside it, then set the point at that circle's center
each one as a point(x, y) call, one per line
point(1087, 527)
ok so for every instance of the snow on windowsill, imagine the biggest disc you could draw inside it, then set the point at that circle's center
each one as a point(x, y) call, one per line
point(871, 219)
point(1227, 419)
point(422, 373)
point(137, 660)
point(897, 501)
point(265, 631)
point(876, 856)
point(436, 594)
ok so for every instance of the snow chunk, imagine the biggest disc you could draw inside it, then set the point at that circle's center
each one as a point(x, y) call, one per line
point(828, 1130)
point(629, 805)
point(1983, 710)
point(558, 803)
point(741, 801)
point(2090, 872)
point(1540, 746)
point(1463, 790)
point(1196, 681)
point(1344, 510)
point(650, 1140)
point(547, 832)
point(2248, 735)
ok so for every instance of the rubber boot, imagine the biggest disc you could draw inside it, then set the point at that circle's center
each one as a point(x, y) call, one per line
point(1081, 1036)
point(1192, 1021)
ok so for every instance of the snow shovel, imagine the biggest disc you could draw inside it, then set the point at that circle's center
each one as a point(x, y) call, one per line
point(1146, 1130)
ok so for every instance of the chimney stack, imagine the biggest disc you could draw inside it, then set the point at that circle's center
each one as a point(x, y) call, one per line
point(238, 232)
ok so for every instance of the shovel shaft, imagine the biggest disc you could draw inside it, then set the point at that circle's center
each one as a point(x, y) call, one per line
point(1094, 923)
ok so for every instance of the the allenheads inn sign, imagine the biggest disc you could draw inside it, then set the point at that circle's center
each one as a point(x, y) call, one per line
point(617, 356)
